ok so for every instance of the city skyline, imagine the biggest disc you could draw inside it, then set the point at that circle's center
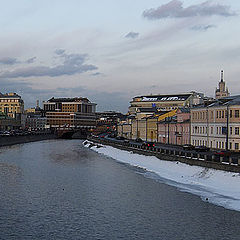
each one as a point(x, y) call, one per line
point(111, 51)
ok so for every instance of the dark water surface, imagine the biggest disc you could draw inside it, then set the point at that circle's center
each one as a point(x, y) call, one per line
point(60, 190)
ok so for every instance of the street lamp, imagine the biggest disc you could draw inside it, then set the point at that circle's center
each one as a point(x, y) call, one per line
point(146, 129)
point(227, 132)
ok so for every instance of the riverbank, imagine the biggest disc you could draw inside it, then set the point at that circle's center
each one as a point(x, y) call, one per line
point(12, 140)
point(193, 159)
point(215, 186)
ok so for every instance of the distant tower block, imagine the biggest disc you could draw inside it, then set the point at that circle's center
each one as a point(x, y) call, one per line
point(221, 91)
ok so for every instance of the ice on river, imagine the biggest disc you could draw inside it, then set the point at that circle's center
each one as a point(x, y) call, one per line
point(218, 187)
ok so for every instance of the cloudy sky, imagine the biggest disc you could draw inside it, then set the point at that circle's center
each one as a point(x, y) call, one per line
point(113, 50)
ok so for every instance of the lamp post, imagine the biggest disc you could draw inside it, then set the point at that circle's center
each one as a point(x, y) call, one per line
point(131, 130)
point(227, 132)
point(146, 129)
point(168, 129)
point(137, 128)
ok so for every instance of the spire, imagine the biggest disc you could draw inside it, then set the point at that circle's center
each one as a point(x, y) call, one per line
point(222, 76)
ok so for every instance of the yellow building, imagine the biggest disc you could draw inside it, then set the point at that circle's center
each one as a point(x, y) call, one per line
point(12, 105)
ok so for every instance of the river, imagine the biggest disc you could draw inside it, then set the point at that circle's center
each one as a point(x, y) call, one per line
point(57, 189)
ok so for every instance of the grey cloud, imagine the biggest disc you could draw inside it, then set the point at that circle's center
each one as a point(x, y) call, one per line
point(96, 74)
point(72, 64)
point(132, 35)
point(8, 61)
point(175, 9)
point(59, 51)
point(202, 27)
point(31, 60)
point(117, 101)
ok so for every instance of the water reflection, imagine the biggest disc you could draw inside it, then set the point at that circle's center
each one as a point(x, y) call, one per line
point(60, 190)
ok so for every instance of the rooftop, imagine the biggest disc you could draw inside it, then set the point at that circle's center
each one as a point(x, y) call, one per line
point(9, 95)
point(76, 99)
point(165, 97)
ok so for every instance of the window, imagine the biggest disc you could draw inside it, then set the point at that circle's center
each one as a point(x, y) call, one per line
point(217, 114)
point(230, 145)
point(236, 130)
point(236, 113)
point(223, 114)
point(230, 130)
point(211, 130)
point(236, 146)
point(230, 113)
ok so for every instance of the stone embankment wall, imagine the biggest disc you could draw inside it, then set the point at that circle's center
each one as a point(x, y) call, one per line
point(173, 155)
point(11, 140)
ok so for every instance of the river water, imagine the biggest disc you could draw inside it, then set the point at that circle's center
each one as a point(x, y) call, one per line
point(58, 189)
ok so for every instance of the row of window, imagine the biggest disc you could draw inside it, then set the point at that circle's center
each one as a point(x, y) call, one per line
point(219, 145)
point(223, 114)
point(219, 130)
point(9, 100)
point(219, 114)
point(174, 129)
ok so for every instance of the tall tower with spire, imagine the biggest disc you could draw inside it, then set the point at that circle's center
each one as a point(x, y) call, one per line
point(221, 91)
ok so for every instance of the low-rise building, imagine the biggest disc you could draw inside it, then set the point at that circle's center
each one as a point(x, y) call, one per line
point(175, 129)
point(7, 123)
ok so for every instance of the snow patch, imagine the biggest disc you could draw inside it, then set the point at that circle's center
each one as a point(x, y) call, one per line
point(215, 186)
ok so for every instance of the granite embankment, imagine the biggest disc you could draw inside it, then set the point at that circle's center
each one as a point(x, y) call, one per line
point(11, 140)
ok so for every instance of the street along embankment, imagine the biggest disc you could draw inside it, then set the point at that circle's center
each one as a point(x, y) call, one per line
point(11, 140)
point(195, 159)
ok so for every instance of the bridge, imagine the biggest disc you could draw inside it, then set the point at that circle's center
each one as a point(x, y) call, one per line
point(70, 133)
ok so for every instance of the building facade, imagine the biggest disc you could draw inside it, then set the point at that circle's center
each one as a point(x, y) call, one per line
point(70, 113)
point(12, 105)
point(217, 125)
point(166, 102)
point(176, 129)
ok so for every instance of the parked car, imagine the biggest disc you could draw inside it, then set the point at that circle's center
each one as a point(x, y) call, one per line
point(202, 149)
point(120, 138)
point(138, 140)
point(148, 144)
point(222, 153)
point(126, 141)
point(112, 135)
point(188, 147)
